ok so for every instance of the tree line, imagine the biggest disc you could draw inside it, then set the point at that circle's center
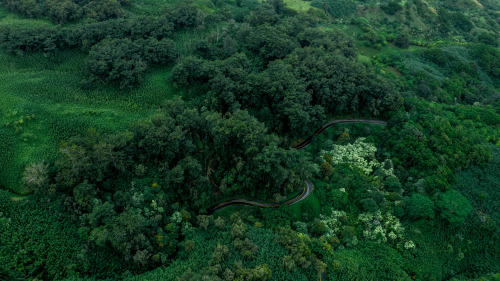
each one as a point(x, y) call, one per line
point(65, 11)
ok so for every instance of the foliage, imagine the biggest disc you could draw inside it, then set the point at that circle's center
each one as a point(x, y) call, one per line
point(370, 261)
point(336, 8)
point(121, 189)
point(480, 186)
point(391, 7)
point(50, 39)
point(39, 241)
point(62, 11)
point(402, 41)
point(182, 14)
point(417, 137)
point(454, 207)
point(125, 61)
point(359, 154)
point(68, 10)
point(36, 177)
point(419, 206)
point(166, 147)
point(300, 82)
point(487, 38)
point(382, 228)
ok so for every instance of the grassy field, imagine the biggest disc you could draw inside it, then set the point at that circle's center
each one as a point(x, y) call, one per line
point(299, 208)
point(299, 5)
point(366, 53)
point(42, 104)
point(11, 19)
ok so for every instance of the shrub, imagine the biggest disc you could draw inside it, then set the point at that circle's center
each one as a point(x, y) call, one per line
point(402, 41)
point(392, 7)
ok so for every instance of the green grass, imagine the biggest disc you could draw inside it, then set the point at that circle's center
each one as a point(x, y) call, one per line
point(297, 209)
point(149, 7)
point(42, 104)
point(11, 19)
point(155, 7)
point(298, 5)
point(365, 53)
point(389, 48)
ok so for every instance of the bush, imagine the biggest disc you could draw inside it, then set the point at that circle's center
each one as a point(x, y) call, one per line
point(461, 22)
point(402, 41)
point(392, 7)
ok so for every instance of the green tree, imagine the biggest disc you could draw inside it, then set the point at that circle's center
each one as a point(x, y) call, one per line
point(270, 42)
point(420, 207)
point(392, 7)
point(104, 9)
point(125, 61)
point(402, 41)
point(117, 60)
point(487, 38)
point(62, 11)
point(182, 14)
point(454, 207)
point(36, 178)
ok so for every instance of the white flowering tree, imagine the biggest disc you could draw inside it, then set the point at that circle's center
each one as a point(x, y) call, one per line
point(383, 228)
point(335, 226)
point(332, 223)
point(359, 154)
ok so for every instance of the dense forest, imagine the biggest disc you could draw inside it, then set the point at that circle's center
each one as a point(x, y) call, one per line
point(124, 121)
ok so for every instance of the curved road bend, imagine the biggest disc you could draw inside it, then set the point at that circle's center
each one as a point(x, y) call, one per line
point(308, 141)
point(308, 187)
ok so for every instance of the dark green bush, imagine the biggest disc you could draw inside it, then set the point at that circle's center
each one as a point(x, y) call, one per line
point(392, 7)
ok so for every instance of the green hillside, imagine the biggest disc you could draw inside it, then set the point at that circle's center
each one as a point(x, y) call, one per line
point(249, 140)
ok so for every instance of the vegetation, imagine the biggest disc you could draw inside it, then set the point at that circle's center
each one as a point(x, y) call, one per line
point(122, 122)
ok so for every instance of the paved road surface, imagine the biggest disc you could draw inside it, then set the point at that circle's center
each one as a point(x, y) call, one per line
point(308, 187)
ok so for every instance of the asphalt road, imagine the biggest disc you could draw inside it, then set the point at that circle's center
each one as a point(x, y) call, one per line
point(308, 187)
point(308, 141)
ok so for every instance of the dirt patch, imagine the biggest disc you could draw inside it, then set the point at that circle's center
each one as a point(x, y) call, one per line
point(395, 71)
point(297, 142)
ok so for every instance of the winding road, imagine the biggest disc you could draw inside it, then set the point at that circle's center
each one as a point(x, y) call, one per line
point(308, 187)
point(308, 141)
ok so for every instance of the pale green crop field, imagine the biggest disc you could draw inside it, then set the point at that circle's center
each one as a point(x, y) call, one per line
point(42, 104)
